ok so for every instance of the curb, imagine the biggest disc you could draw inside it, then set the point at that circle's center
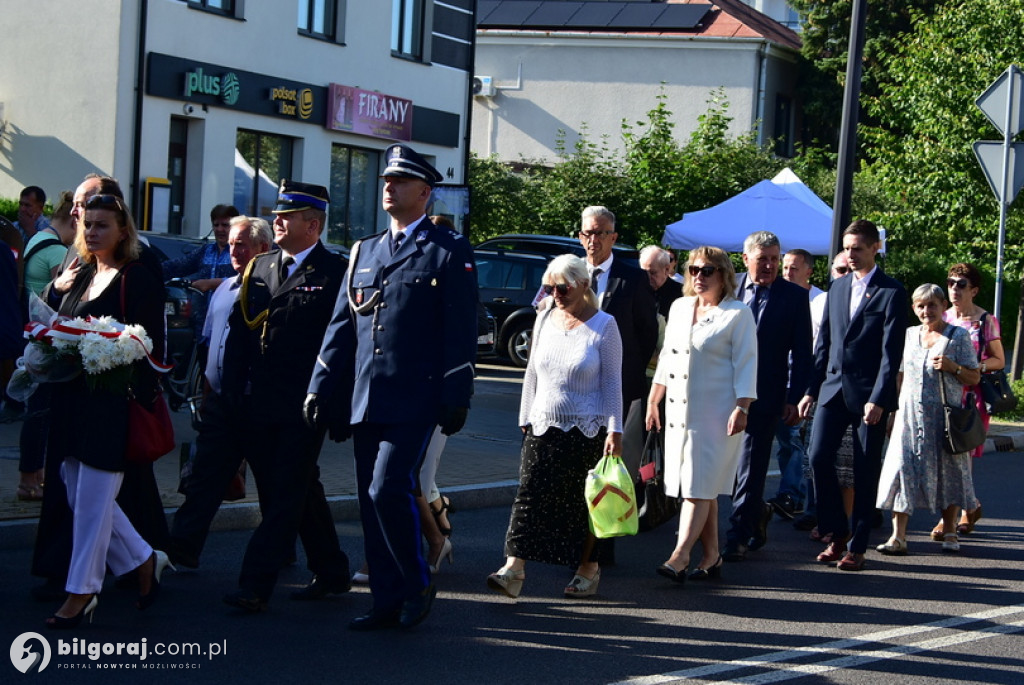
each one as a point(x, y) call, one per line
point(21, 533)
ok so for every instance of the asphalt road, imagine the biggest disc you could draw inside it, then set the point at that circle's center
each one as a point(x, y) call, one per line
point(779, 616)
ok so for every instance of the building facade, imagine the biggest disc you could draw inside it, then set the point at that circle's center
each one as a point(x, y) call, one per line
point(554, 68)
point(194, 103)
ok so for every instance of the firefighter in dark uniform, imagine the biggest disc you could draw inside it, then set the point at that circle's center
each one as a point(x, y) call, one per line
point(407, 315)
point(275, 329)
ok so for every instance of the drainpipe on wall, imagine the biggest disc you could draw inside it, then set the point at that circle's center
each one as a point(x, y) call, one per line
point(762, 76)
point(140, 78)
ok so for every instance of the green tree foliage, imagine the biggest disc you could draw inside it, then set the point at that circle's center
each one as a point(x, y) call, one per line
point(826, 39)
point(652, 184)
point(943, 209)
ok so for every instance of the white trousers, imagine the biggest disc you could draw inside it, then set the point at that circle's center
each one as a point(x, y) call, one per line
point(103, 536)
point(430, 462)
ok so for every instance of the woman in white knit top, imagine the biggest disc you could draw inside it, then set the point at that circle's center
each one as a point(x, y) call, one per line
point(571, 414)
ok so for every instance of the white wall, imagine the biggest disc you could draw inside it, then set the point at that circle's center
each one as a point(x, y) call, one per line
point(569, 81)
point(60, 89)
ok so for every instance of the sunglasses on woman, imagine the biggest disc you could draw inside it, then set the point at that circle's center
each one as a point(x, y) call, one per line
point(105, 202)
point(705, 271)
point(562, 288)
point(957, 283)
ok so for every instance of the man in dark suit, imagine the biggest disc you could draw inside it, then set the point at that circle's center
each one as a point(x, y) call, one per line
point(285, 302)
point(658, 265)
point(625, 292)
point(408, 318)
point(856, 361)
point(783, 317)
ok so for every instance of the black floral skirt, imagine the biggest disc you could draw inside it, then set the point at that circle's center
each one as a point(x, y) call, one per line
point(549, 521)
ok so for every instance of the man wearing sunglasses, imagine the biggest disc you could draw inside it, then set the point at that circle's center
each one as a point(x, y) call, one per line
point(783, 317)
point(625, 292)
point(857, 359)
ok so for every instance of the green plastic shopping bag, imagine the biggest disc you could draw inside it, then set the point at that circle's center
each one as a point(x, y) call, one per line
point(611, 499)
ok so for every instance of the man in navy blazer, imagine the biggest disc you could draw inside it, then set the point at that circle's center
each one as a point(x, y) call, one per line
point(625, 292)
point(783, 315)
point(407, 316)
point(857, 359)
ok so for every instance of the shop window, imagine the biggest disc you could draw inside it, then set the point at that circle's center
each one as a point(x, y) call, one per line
point(261, 161)
point(408, 27)
point(355, 187)
point(230, 8)
point(322, 19)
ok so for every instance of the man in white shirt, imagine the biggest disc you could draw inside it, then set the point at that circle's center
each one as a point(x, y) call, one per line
point(797, 267)
point(220, 445)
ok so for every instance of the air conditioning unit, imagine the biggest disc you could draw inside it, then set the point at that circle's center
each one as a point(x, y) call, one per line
point(483, 87)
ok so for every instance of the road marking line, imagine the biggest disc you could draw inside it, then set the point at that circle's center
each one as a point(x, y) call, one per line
point(825, 648)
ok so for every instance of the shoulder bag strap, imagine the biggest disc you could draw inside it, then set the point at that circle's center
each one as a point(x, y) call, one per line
point(982, 340)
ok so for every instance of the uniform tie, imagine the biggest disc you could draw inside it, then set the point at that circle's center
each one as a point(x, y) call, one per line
point(283, 269)
point(396, 241)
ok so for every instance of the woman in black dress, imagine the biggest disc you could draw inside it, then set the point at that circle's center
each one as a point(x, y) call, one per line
point(90, 425)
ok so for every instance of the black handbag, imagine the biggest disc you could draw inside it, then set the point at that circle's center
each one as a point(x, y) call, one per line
point(654, 506)
point(963, 430)
point(995, 385)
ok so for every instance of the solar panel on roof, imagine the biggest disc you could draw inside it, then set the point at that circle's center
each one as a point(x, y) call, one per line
point(682, 16)
point(632, 16)
point(512, 13)
point(553, 14)
point(594, 15)
point(619, 15)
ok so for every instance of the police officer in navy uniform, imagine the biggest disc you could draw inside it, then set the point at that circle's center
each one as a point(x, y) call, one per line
point(408, 317)
point(284, 306)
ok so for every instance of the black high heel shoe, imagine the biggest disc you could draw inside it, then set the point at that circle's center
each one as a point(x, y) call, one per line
point(446, 506)
point(667, 571)
point(713, 571)
point(160, 562)
point(56, 622)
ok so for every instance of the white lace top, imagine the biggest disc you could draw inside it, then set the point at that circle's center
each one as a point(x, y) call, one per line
point(574, 377)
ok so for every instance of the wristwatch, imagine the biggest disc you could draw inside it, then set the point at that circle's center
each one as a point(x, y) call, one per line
point(743, 409)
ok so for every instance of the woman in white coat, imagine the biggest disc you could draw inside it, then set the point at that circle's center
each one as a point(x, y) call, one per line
point(708, 373)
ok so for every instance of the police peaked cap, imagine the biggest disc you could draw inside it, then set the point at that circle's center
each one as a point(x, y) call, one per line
point(295, 197)
point(405, 162)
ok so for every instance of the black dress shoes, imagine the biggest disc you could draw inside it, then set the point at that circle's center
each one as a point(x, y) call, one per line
point(375, 620)
point(734, 551)
point(784, 506)
point(246, 600)
point(760, 537)
point(414, 610)
point(321, 586)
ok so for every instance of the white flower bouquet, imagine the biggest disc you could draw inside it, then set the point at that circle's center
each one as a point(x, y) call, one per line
point(61, 349)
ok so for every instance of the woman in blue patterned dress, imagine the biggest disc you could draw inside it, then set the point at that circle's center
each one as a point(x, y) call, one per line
point(917, 471)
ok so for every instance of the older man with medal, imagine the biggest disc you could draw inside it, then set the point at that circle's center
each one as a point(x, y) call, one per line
point(407, 316)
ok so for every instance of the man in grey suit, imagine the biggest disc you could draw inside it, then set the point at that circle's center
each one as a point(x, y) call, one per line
point(856, 361)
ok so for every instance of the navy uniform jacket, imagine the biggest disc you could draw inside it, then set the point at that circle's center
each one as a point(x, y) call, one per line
point(629, 298)
point(277, 356)
point(783, 328)
point(860, 359)
point(414, 336)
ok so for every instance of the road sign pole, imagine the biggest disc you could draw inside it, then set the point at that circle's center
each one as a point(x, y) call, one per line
point(1005, 193)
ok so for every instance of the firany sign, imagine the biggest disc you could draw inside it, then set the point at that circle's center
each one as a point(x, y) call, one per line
point(369, 113)
point(213, 85)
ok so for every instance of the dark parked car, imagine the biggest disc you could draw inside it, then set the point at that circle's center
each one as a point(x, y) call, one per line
point(553, 245)
point(509, 283)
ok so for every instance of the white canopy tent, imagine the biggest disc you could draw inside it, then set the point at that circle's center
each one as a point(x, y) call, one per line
point(783, 205)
